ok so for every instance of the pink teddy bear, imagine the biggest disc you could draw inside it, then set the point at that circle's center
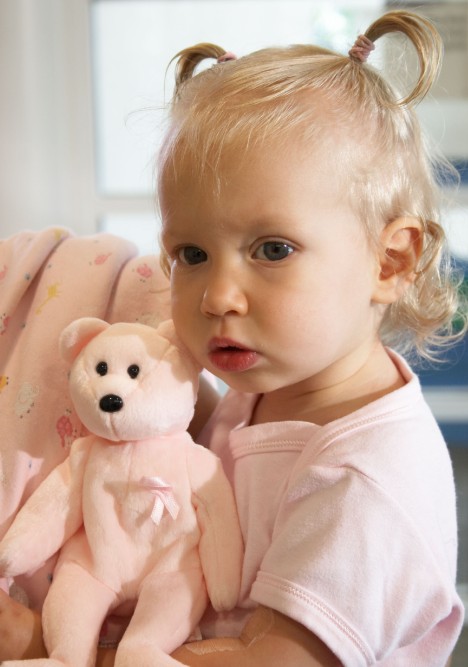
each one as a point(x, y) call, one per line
point(138, 510)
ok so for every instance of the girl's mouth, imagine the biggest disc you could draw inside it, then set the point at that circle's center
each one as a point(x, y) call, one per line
point(227, 355)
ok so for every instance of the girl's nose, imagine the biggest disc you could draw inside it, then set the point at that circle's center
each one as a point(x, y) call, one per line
point(223, 295)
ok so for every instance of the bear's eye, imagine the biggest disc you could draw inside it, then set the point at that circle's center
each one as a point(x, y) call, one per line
point(133, 371)
point(101, 368)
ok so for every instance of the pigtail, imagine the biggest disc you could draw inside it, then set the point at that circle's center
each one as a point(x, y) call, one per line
point(422, 320)
point(188, 59)
point(426, 41)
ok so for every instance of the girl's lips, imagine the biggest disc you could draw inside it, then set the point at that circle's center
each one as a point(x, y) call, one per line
point(227, 355)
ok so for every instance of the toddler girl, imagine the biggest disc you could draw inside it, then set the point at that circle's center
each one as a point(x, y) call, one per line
point(299, 212)
point(299, 217)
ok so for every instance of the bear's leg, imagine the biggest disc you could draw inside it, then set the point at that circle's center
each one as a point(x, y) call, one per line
point(73, 613)
point(169, 607)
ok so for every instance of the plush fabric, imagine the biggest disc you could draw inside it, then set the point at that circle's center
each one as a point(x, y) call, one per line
point(48, 279)
point(141, 512)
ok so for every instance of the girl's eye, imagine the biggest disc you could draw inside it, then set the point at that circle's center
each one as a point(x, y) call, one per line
point(273, 251)
point(191, 255)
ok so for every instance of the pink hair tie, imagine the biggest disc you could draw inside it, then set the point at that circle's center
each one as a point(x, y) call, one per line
point(227, 56)
point(361, 48)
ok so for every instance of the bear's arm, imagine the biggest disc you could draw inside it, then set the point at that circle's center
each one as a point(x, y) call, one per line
point(221, 547)
point(48, 518)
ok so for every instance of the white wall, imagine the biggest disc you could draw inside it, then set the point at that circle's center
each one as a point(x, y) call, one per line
point(45, 116)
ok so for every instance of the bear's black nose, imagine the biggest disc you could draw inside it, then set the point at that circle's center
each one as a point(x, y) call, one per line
point(111, 403)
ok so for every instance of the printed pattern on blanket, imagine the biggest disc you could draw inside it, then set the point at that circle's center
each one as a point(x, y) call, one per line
point(48, 279)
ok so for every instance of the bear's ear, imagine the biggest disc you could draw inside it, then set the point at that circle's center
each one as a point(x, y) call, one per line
point(78, 334)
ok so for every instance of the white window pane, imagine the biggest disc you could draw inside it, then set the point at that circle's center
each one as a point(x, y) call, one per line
point(142, 229)
point(134, 40)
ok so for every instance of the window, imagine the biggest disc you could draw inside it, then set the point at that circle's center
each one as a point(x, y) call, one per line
point(132, 44)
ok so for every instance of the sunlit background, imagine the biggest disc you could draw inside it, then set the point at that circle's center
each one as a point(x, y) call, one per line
point(133, 42)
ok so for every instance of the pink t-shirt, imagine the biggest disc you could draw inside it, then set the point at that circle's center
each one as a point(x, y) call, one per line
point(350, 528)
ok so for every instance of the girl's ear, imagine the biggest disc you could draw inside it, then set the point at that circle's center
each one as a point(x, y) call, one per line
point(400, 251)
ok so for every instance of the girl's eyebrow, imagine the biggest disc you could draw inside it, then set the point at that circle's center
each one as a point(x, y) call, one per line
point(166, 237)
point(170, 238)
point(168, 230)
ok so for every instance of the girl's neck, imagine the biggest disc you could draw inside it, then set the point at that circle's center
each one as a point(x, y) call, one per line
point(375, 378)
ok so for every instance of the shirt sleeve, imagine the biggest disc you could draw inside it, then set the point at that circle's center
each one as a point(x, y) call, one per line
point(349, 563)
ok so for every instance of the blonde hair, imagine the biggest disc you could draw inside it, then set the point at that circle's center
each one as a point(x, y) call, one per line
point(386, 166)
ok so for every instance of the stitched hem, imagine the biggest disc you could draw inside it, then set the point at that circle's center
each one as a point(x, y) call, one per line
point(273, 591)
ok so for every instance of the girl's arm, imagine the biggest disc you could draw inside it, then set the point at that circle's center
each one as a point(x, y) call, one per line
point(20, 631)
point(269, 639)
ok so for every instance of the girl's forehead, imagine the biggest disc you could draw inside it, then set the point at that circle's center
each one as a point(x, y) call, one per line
point(266, 187)
point(269, 164)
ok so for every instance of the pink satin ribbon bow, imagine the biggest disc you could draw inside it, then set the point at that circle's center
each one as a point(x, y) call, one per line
point(164, 498)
